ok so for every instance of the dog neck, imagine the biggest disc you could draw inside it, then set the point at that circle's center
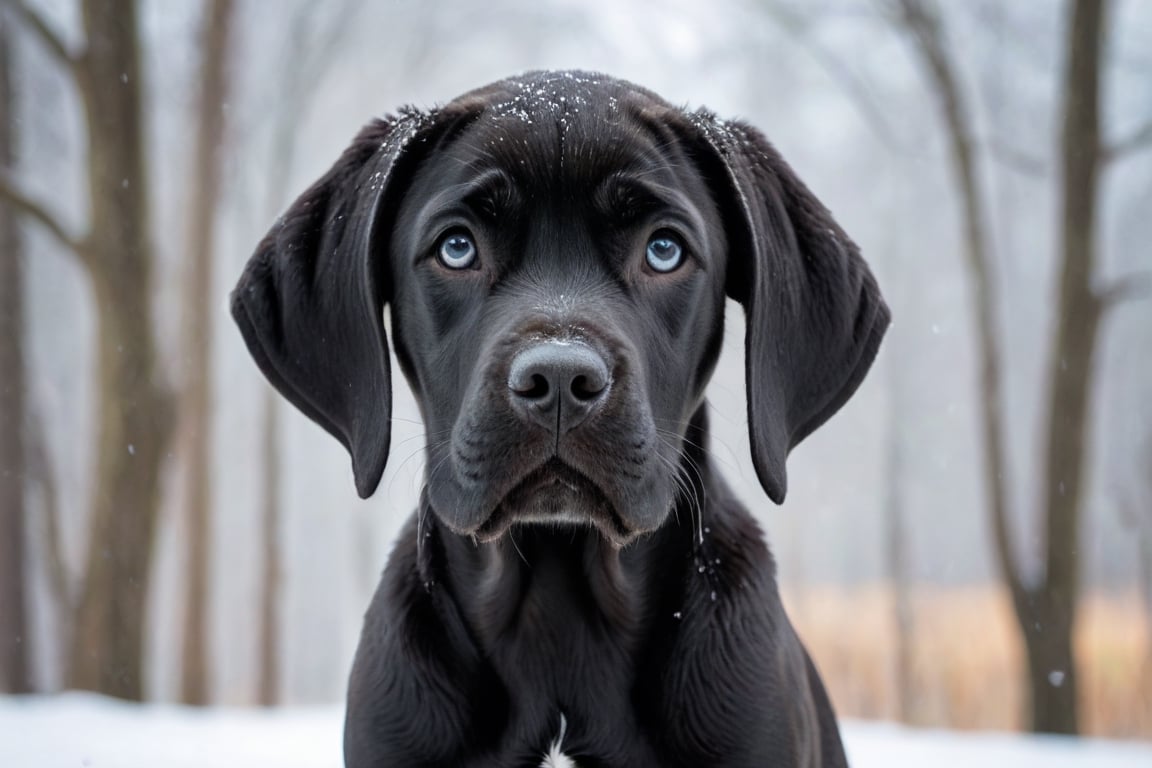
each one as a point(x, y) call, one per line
point(538, 599)
point(544, 579)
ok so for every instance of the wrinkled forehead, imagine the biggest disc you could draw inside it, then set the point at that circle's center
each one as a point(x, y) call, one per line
point(565, 133)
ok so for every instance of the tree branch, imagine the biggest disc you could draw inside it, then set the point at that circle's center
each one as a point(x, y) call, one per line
point(34, 210)
point(43, 30)
point(1127, 288)
point(798, 28)
point(1133, 142)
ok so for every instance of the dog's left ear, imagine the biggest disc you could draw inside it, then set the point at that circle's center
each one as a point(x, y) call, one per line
point(814, 314)
point(310, 301)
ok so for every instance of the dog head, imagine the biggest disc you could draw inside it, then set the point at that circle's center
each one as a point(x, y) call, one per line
point(556, 250)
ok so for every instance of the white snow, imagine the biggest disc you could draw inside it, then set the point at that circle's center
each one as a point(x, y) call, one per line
point(895, 746)
point(78, 730)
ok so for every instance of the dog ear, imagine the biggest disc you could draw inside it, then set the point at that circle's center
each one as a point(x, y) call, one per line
point(310, 301)
point(814, 314)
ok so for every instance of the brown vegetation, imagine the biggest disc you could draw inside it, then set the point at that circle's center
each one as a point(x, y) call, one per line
point(966, 661)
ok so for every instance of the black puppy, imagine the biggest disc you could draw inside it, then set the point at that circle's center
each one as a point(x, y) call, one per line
point(556, 249)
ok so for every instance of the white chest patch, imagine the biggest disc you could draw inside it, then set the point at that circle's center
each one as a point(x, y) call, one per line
point(554, 758)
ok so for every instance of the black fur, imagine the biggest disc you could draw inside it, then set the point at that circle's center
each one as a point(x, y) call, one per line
point(593, 566)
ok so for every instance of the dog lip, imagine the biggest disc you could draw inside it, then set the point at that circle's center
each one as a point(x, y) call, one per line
point(555, 471)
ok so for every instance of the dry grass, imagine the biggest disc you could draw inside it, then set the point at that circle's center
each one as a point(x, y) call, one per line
point(966, 660)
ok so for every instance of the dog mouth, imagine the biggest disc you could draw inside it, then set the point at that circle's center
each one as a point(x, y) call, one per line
point(556, 494)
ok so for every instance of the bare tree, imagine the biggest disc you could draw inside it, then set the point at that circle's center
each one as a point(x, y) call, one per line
point(196, 396)
point(135, 413)
point(14, 655)
point(1045, 606)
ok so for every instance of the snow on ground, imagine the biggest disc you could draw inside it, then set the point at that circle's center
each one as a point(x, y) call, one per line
point(893, 746)
point(87, 731)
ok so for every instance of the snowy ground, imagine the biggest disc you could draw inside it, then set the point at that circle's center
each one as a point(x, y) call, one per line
point(85, 731)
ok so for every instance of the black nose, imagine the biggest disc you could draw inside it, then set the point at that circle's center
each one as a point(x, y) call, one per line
point(557, 384)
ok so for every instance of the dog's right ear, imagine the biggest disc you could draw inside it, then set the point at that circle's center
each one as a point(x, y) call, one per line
point(310, 301)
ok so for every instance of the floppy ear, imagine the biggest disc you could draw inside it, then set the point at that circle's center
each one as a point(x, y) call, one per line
point(814, 314)
point(310, 301)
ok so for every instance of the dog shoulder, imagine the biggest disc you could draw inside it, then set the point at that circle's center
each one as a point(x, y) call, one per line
point(405, 698)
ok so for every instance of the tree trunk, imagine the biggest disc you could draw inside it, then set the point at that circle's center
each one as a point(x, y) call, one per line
point(1046, 610)
point(269, 645)
point(922, 23)
point(1070, 374)
point(15, 675)
point(196, 404)
point(134, 418)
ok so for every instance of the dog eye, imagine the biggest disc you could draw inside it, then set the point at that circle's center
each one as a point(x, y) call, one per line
point(664, 253)
point(457, 251)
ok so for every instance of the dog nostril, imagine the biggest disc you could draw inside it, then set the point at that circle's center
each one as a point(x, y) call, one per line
point(584, 388)
point(537, 388)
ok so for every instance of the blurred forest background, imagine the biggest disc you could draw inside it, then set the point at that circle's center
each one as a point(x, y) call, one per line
point(967, 544)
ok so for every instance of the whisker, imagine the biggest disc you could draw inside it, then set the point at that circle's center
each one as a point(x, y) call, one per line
point(679, 488)
point(400, 467)
point(686, 460)
point(688, 492)
point(711, 454)
point(697, 488)
point(400, 420)
point(512, 538)
point(421, 512)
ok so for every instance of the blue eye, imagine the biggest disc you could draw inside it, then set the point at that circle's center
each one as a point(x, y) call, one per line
point(457, 251)
point(664, 253)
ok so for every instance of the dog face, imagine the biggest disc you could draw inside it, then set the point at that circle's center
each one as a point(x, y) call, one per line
point(558, 288)
point(556, 250)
